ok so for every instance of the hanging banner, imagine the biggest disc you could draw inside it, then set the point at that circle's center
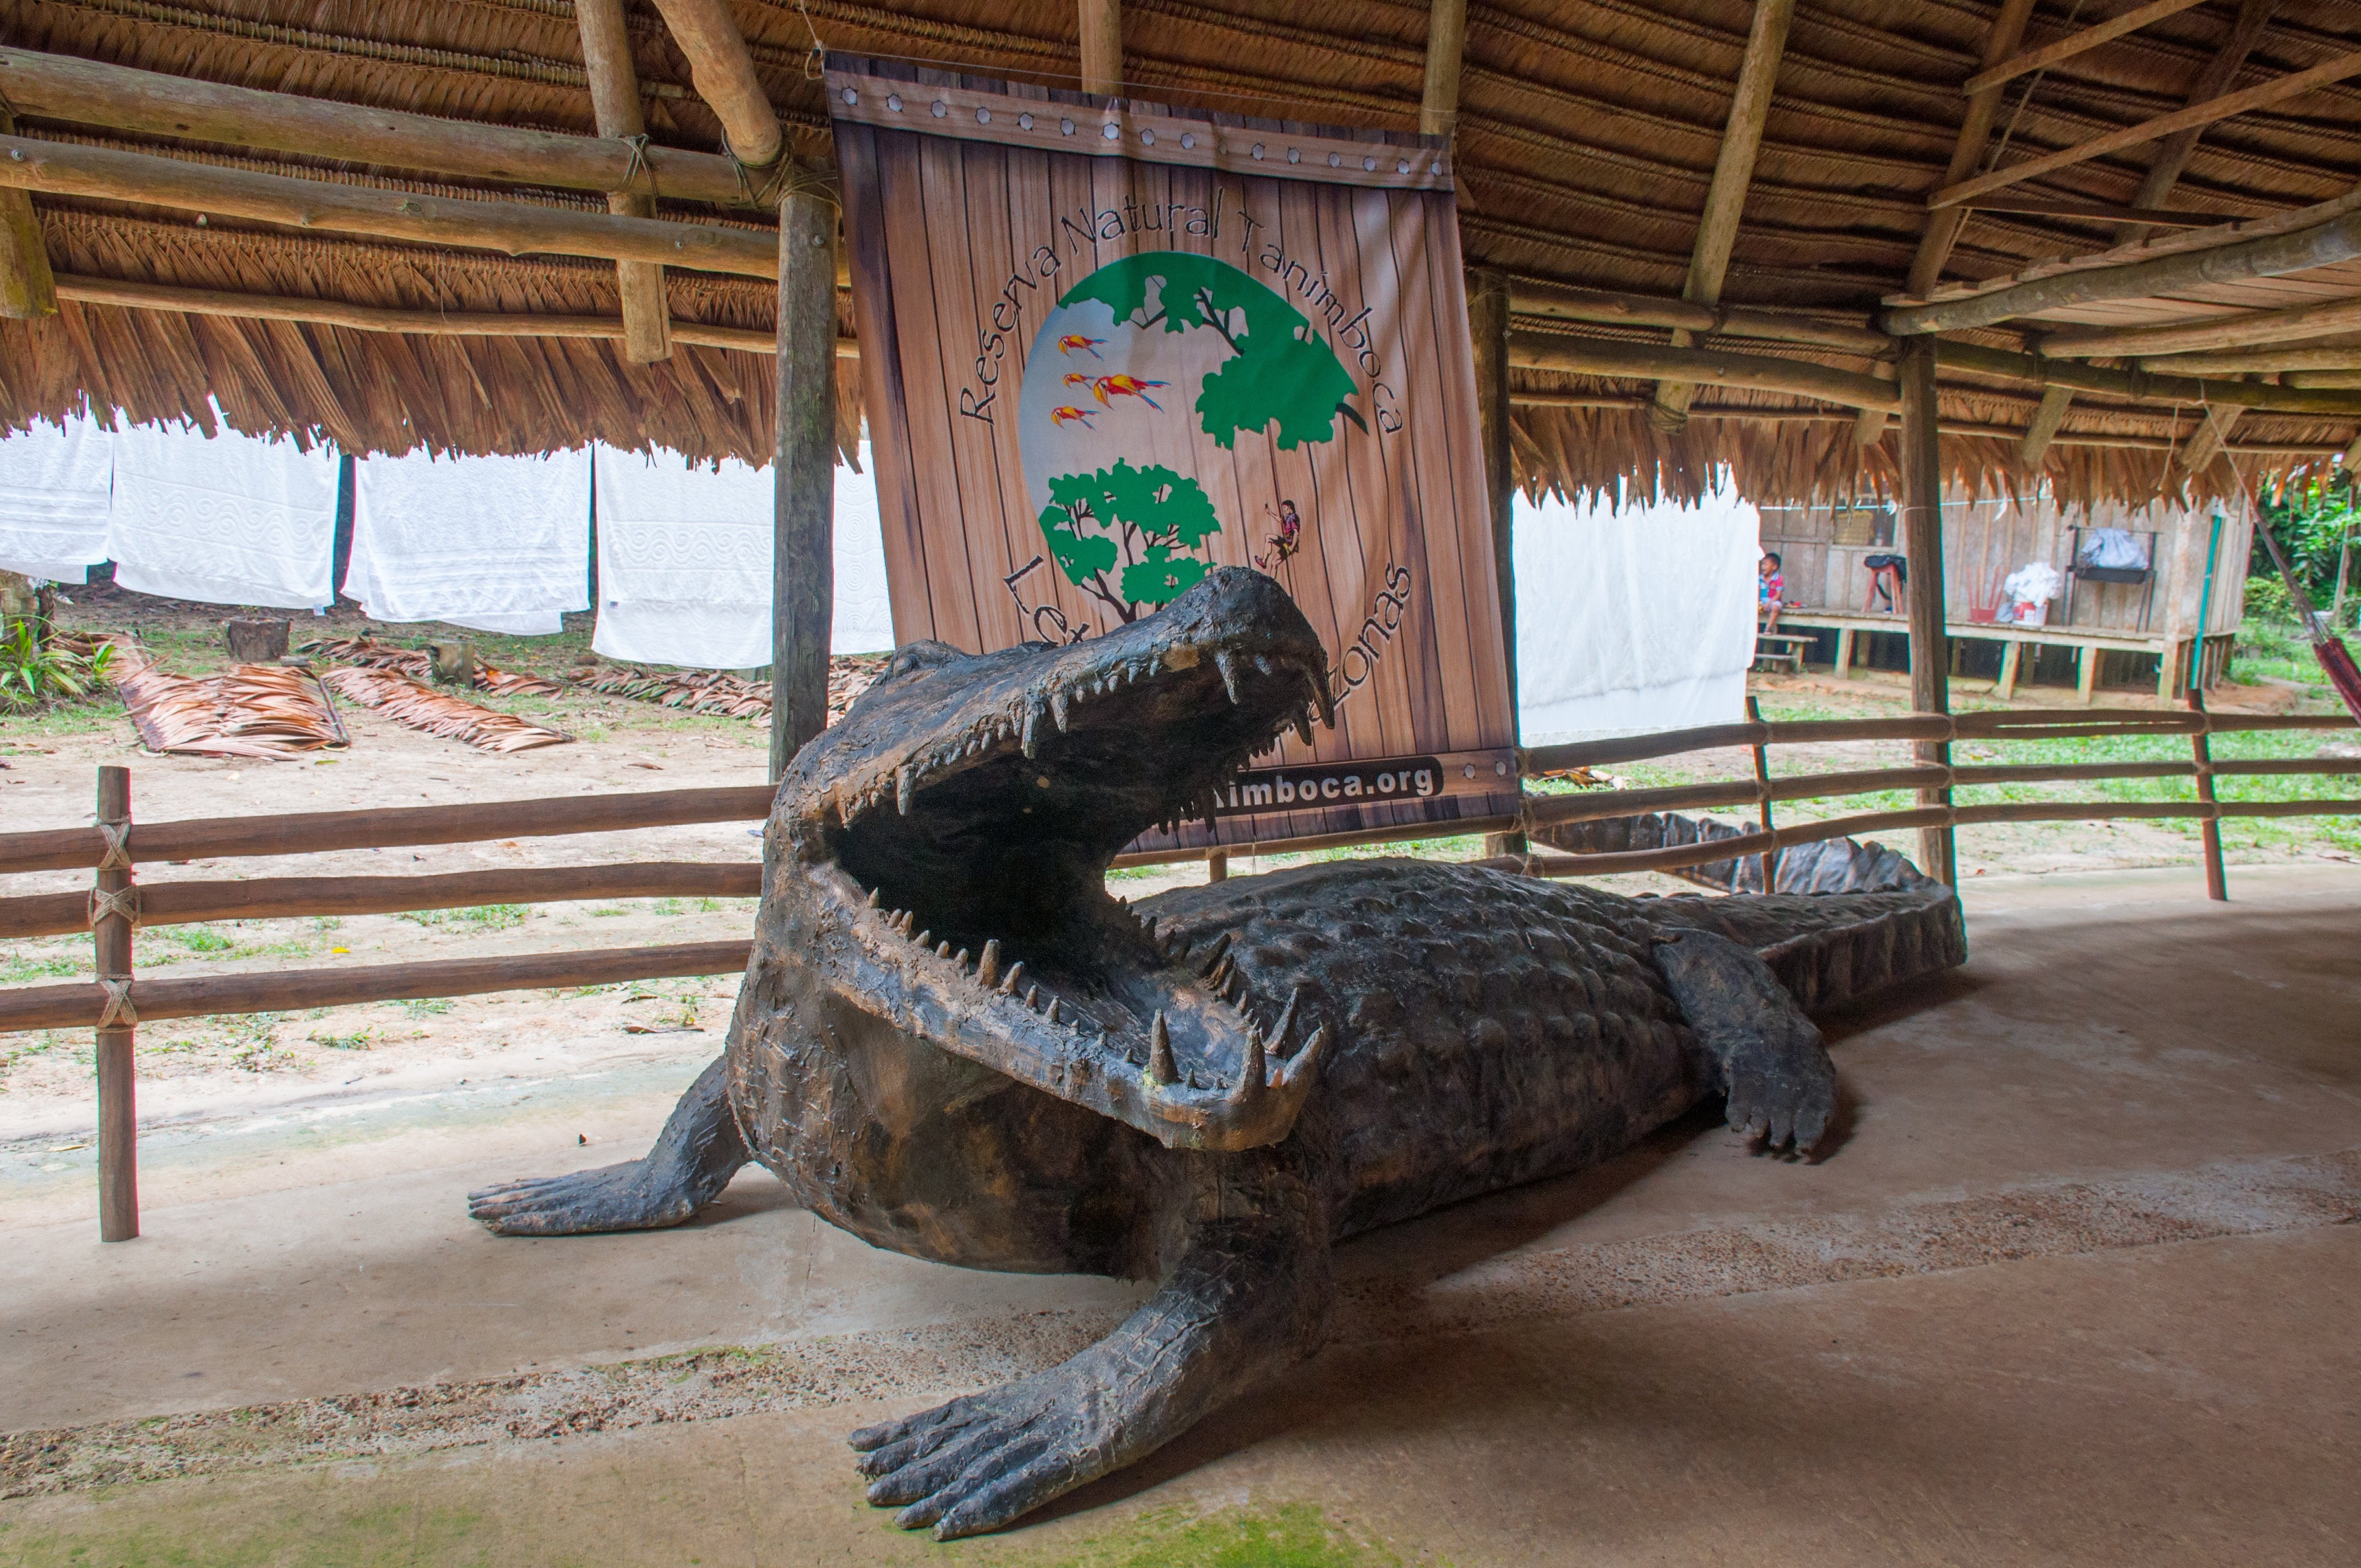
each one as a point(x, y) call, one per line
point(1106, 346)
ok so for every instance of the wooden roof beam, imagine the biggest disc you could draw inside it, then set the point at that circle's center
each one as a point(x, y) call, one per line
point(423, 323)
point(615, 100)
point(2240, 331)
point(1564, 302)
point(722, 70)
point(2073, 44)
point(147, 103)
point(2272, 256)
point(2213, 79)
point(63, 170)
point(2197, 115)
point(1446, 46)
point(1975, 133)
point(1701, 366)
point(1733, 172)
point(1974, 359)
point(2256, 361)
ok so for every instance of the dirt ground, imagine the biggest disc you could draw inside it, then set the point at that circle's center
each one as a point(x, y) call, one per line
point(195, 1068)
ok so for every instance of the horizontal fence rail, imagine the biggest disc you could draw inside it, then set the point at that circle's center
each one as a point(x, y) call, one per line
point(317, 832)
point(117, 906)
point(273, 990)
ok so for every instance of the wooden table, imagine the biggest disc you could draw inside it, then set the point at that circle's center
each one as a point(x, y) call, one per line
point(2087, 643)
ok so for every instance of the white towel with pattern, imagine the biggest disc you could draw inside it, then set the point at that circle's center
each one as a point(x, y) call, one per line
point(57, 487)
point(493, 543)
point(226, 519)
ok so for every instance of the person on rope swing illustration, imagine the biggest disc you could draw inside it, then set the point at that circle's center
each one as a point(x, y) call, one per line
point(1287, 540)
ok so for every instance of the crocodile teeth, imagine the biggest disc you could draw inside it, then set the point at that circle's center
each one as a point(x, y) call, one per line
point(943, 951)
point(1285, 1029)
point(1214, 953)
point(1060, 705)
point(1304, 729)
point(987, 968)
point(1227, 662)
point(1250, 1071)
point(1327, 704)
point(1033, 997)
point(1160, 1052)
point(1218, 977)
point(1015, 977)
point(925, 939)
point(1307, 1060)
point(906, 784)
point(1032, 724)
point(1262, 662)
point(905, 921)
point(960, 958)
point(872, 898)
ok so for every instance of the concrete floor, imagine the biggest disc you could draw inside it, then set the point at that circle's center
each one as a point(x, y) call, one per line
point(2076, 1286)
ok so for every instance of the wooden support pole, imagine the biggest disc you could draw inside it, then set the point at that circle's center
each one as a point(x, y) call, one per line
point(2278, 90)
point(1733, 173)
point(1446, 45)
point(79, 92)
point(118, 1109)
point(804, 477)
point(2201, 750)
point(2213, 78)
point(1844, 652)
point(518, 229)
point(1922, 523)
point(1217, 866)
point(1721, 368)
point(615, 101)
point(1769, 859)
point(27, 289)
point(1487, 323)
point(722, 70)
point(2086, 673)
point(1102, 46)
point(1975, 133)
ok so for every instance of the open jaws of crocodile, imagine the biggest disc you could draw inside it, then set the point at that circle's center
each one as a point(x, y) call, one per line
point(948, 842)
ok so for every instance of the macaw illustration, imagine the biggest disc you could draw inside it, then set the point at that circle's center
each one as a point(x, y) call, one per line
point(1080, 378)
point(1071, 415)
point(1126, 387)
point(1074, 340)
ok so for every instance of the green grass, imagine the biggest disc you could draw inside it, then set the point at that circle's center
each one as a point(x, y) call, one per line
point(19, 969)
point(476, 918)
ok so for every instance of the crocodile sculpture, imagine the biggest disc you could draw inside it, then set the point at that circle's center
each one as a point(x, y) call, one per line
point(953, 1042)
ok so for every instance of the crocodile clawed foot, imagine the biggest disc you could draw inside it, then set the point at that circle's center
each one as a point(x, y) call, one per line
point(1778, 1098)
point(1774, 1065)
point(626, 1197)
point(983, 1460)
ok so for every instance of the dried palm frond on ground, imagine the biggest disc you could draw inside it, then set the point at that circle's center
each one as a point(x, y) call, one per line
point(270, 711)
point(418, 664)
point(421, 707)
point(733, 696)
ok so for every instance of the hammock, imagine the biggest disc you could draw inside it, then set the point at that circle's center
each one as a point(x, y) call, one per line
point(2335, 659)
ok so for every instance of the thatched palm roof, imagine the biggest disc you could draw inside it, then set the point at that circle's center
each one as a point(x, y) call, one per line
point(1588, 135)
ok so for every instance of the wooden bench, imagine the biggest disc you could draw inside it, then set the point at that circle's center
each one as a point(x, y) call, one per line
point(1777, 648)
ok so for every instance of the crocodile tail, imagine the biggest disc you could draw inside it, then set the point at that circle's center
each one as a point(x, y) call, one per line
point(1845, 918)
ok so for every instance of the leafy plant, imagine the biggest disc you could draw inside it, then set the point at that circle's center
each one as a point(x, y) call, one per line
point(1137, 523)
point(482, 916)
point(34, 673)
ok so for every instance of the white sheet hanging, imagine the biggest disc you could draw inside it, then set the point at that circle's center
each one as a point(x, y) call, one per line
point(229, 519)
point(685, 562)
point(494, 543)
point(56, 488)
point(1634, 622)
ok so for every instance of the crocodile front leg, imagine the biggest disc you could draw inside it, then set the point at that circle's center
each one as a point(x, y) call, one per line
point(1773, 1063)
point(1244, 1295)
point(694, 1158)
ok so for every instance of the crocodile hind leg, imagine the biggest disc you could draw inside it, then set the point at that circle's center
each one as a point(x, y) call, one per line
point(1773, 1063)
point(694, 1158)
point(1246, 1295)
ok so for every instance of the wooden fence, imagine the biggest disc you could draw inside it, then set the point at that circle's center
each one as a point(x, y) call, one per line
point(115, 905)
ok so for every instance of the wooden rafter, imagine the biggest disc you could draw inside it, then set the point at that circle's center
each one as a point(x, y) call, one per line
point(2244, 330)
point(1975, 133)
point(2213, 79)
point(2043, 429)
point(2293, 85)
point(615, 101)
point(723, 73)
point(27, 290)
point(1446, 46)
point(2073, 44)
point(1733, 172)
point(1565, 302)
point(1702, 366)
point(1102, 46)
point(1974, 359)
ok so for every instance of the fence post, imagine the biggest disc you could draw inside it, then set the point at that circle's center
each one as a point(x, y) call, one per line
point(113, 905)
point(2217, 882)
point(1217, 865)
point(1770, 858)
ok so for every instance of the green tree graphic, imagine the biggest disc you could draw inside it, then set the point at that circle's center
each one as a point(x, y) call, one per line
point(1138, 525)
point(1279, 369)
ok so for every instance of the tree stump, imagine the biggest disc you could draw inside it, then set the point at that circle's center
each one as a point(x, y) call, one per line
point(454, 663)
point(255, 641)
